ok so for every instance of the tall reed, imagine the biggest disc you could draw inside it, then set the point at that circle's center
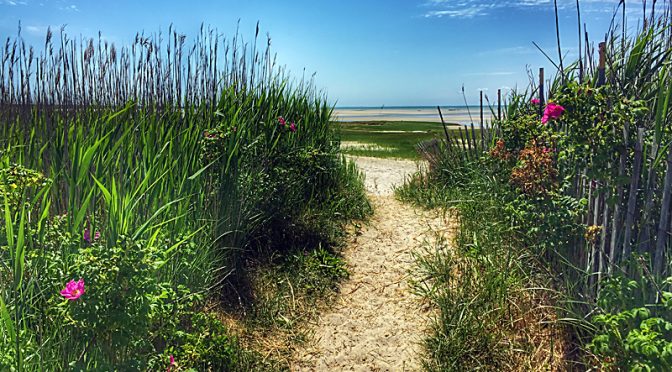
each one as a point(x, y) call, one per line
point(148, 170)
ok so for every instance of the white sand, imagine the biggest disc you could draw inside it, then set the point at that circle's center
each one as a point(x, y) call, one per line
point(354, 145)
point(383, 174)
point(377, 324)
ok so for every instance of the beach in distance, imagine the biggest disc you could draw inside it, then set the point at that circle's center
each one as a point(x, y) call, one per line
point(451, 114)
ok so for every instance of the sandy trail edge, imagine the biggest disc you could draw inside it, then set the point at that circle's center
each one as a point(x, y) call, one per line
point(377, 324)
point(383, 174)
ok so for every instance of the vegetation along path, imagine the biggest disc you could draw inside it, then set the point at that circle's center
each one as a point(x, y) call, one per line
point(377, 323)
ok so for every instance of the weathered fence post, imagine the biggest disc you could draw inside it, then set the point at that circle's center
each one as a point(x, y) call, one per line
point(541, 91)
point(614, 248)
point(601, 69)
point(644, 238)
point(632, 196)
point(465, 143)
point(445, 129)
point(604, 253)
point(499, 105)
point(481, 106)
point(578, 12)
point(661, 236)
point(482, 125)
point(593, 260)
point(473, 139)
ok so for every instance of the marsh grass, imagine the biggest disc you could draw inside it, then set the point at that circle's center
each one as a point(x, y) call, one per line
point(495, 306)
point(389, 139)
point(172, 152)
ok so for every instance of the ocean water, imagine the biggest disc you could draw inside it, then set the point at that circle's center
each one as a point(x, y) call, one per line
point(451, 114)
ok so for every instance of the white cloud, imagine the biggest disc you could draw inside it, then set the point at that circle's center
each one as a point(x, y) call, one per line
point(13, 2)
point(477, 8)
point(72, 8)
point(468, 12)
point(35, 30)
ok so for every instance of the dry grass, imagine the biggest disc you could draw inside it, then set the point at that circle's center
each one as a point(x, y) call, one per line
point(547, 344)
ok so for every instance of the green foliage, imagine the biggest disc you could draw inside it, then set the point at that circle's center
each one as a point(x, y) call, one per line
point(592, 128)
point(289, 287)
point(15, 181)
point(521, 129)
point(549, 165)
point(205, 344)
point(475, 280)
point(123, 298)
point(528, 178)
point(548, 222)
point(157, 205)
point(632, 335)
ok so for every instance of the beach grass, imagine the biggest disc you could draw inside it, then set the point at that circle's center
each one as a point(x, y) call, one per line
point(389, 139)
point(134, 201)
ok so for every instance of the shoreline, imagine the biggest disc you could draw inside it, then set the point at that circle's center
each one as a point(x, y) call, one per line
point(456, 116)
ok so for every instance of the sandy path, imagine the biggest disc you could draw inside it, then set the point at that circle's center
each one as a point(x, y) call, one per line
point(383, 174)
point(377, 324)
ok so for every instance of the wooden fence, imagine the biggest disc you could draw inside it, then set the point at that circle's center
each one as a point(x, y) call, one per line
point(630, 215)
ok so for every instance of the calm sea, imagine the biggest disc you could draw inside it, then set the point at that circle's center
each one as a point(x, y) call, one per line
point(451, 114)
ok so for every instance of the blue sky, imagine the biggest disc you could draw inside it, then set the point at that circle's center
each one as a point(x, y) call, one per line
point(364, 53)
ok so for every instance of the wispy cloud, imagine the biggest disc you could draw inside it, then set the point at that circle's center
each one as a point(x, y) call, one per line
point(13, 2)
point(71, 8)
point(470, 11)
point(477, 8)
point(460, 8)
point(36, 30)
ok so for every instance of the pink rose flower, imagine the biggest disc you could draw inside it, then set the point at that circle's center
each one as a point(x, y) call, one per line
point(172, 363)
point(87, 235)
point(292, 127)
point(552, 111)
point(282, 121)
point(73, 290)
point(535, 101)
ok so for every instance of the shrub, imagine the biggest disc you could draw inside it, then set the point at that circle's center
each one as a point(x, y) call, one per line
point(535, 173)
point(631, 334)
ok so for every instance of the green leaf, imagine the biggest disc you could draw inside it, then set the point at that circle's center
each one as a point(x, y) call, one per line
point(81, 213)
point(7, 321)
point(106, 194)
point(154, 216)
